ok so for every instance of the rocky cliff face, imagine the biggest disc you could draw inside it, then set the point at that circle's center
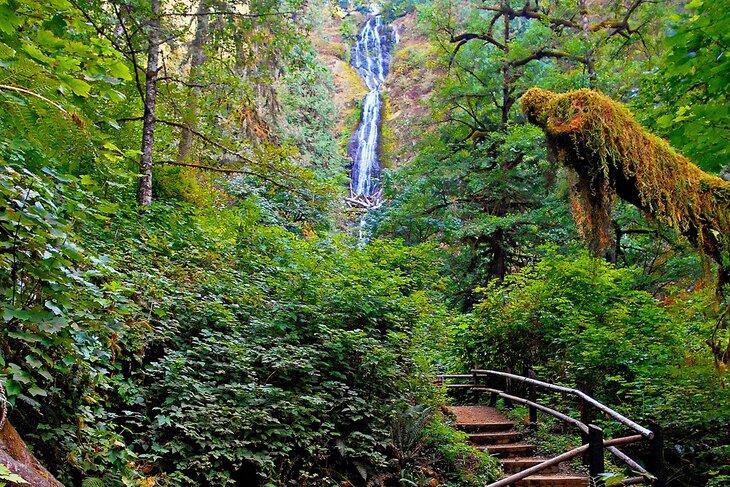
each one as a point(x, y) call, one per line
point(334, 52)
point(406, 93)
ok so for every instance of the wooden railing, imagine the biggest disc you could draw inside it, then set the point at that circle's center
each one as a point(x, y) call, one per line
point(502, 384)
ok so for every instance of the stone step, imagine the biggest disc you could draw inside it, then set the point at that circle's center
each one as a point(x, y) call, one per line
point(495, 437)
point(514, 465)
point(554, 480)
point(509, 450)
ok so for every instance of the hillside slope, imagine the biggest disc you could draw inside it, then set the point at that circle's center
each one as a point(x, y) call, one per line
point(407, 92)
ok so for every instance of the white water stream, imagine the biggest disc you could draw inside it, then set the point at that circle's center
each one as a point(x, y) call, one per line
point(371, 58)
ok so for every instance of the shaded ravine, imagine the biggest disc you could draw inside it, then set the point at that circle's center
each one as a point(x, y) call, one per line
point(371, 58)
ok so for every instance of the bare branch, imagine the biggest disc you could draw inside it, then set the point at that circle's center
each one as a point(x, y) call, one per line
point(224, 170)
point(32, 93)
point(230, 12)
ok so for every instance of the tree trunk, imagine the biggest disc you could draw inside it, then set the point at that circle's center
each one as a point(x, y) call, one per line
point(725, 173)
point(506, 75)
point(498, 262)
point(15, 455)
point(144, 195)
point(197, 58)
point(589, 52)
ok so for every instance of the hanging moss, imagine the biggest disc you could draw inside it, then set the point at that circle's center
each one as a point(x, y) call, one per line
point(612, 155)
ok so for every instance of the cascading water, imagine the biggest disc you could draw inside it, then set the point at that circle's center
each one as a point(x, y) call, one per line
point(371, 58)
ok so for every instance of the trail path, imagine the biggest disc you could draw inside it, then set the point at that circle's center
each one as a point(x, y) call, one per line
point(492, 431)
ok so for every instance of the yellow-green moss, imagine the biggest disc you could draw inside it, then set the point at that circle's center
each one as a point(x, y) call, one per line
point(389, 140)
point(612, 154)
point(182, 183)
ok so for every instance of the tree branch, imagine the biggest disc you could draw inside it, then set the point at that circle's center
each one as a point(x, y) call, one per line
point(230, 12)
point(235, 171)
point(32, 93)
point(546, 53)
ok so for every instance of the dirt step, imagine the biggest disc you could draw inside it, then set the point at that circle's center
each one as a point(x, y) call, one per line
point(509, 450)
point(494, 438)
point(554, 480)
point(514, 465)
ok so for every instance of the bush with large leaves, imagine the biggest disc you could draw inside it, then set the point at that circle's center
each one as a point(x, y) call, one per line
point(272, 358)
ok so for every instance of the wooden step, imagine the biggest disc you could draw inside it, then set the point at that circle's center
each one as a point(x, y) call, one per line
point(514, 465)
point(509, 450)
point(553, 480)
point(484, 427)
point(495, 437)
point(474, 419)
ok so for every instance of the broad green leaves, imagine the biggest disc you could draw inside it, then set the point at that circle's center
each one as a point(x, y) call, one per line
point(46, 284)
point(687, 99)
point(275, 347)
point(7, 476)
point(52, 44)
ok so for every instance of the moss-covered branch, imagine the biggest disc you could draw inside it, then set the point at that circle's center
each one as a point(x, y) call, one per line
point(612, 155)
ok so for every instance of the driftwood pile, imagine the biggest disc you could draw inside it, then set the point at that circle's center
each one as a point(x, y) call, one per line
point(367, 202)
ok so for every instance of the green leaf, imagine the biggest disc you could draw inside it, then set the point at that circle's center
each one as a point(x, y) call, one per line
point(77, 86)
point(34, 390)
point(9, 21)
point(7, 475)
point(120, 70)
point(33, 362)
point(35, 52)
point(50, 305)
point(12, 387)
point(87, 180)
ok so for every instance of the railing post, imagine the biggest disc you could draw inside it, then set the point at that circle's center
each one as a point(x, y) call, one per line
point(532, 396)
point(586, 416)
point(595, 455)
point(508, 388)
point(656, 454)
point(474, 383)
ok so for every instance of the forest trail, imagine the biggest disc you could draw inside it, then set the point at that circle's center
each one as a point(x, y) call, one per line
point(492, 431)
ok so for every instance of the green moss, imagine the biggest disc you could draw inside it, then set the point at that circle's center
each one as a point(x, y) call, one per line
point(611, 154)
point(388, 137)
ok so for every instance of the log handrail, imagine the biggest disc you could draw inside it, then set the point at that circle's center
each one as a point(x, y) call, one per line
point(540, 466)
point(583, 427)
point(646, 432)
point(593, 436)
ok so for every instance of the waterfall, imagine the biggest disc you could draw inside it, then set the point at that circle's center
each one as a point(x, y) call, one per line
point(371, 59)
